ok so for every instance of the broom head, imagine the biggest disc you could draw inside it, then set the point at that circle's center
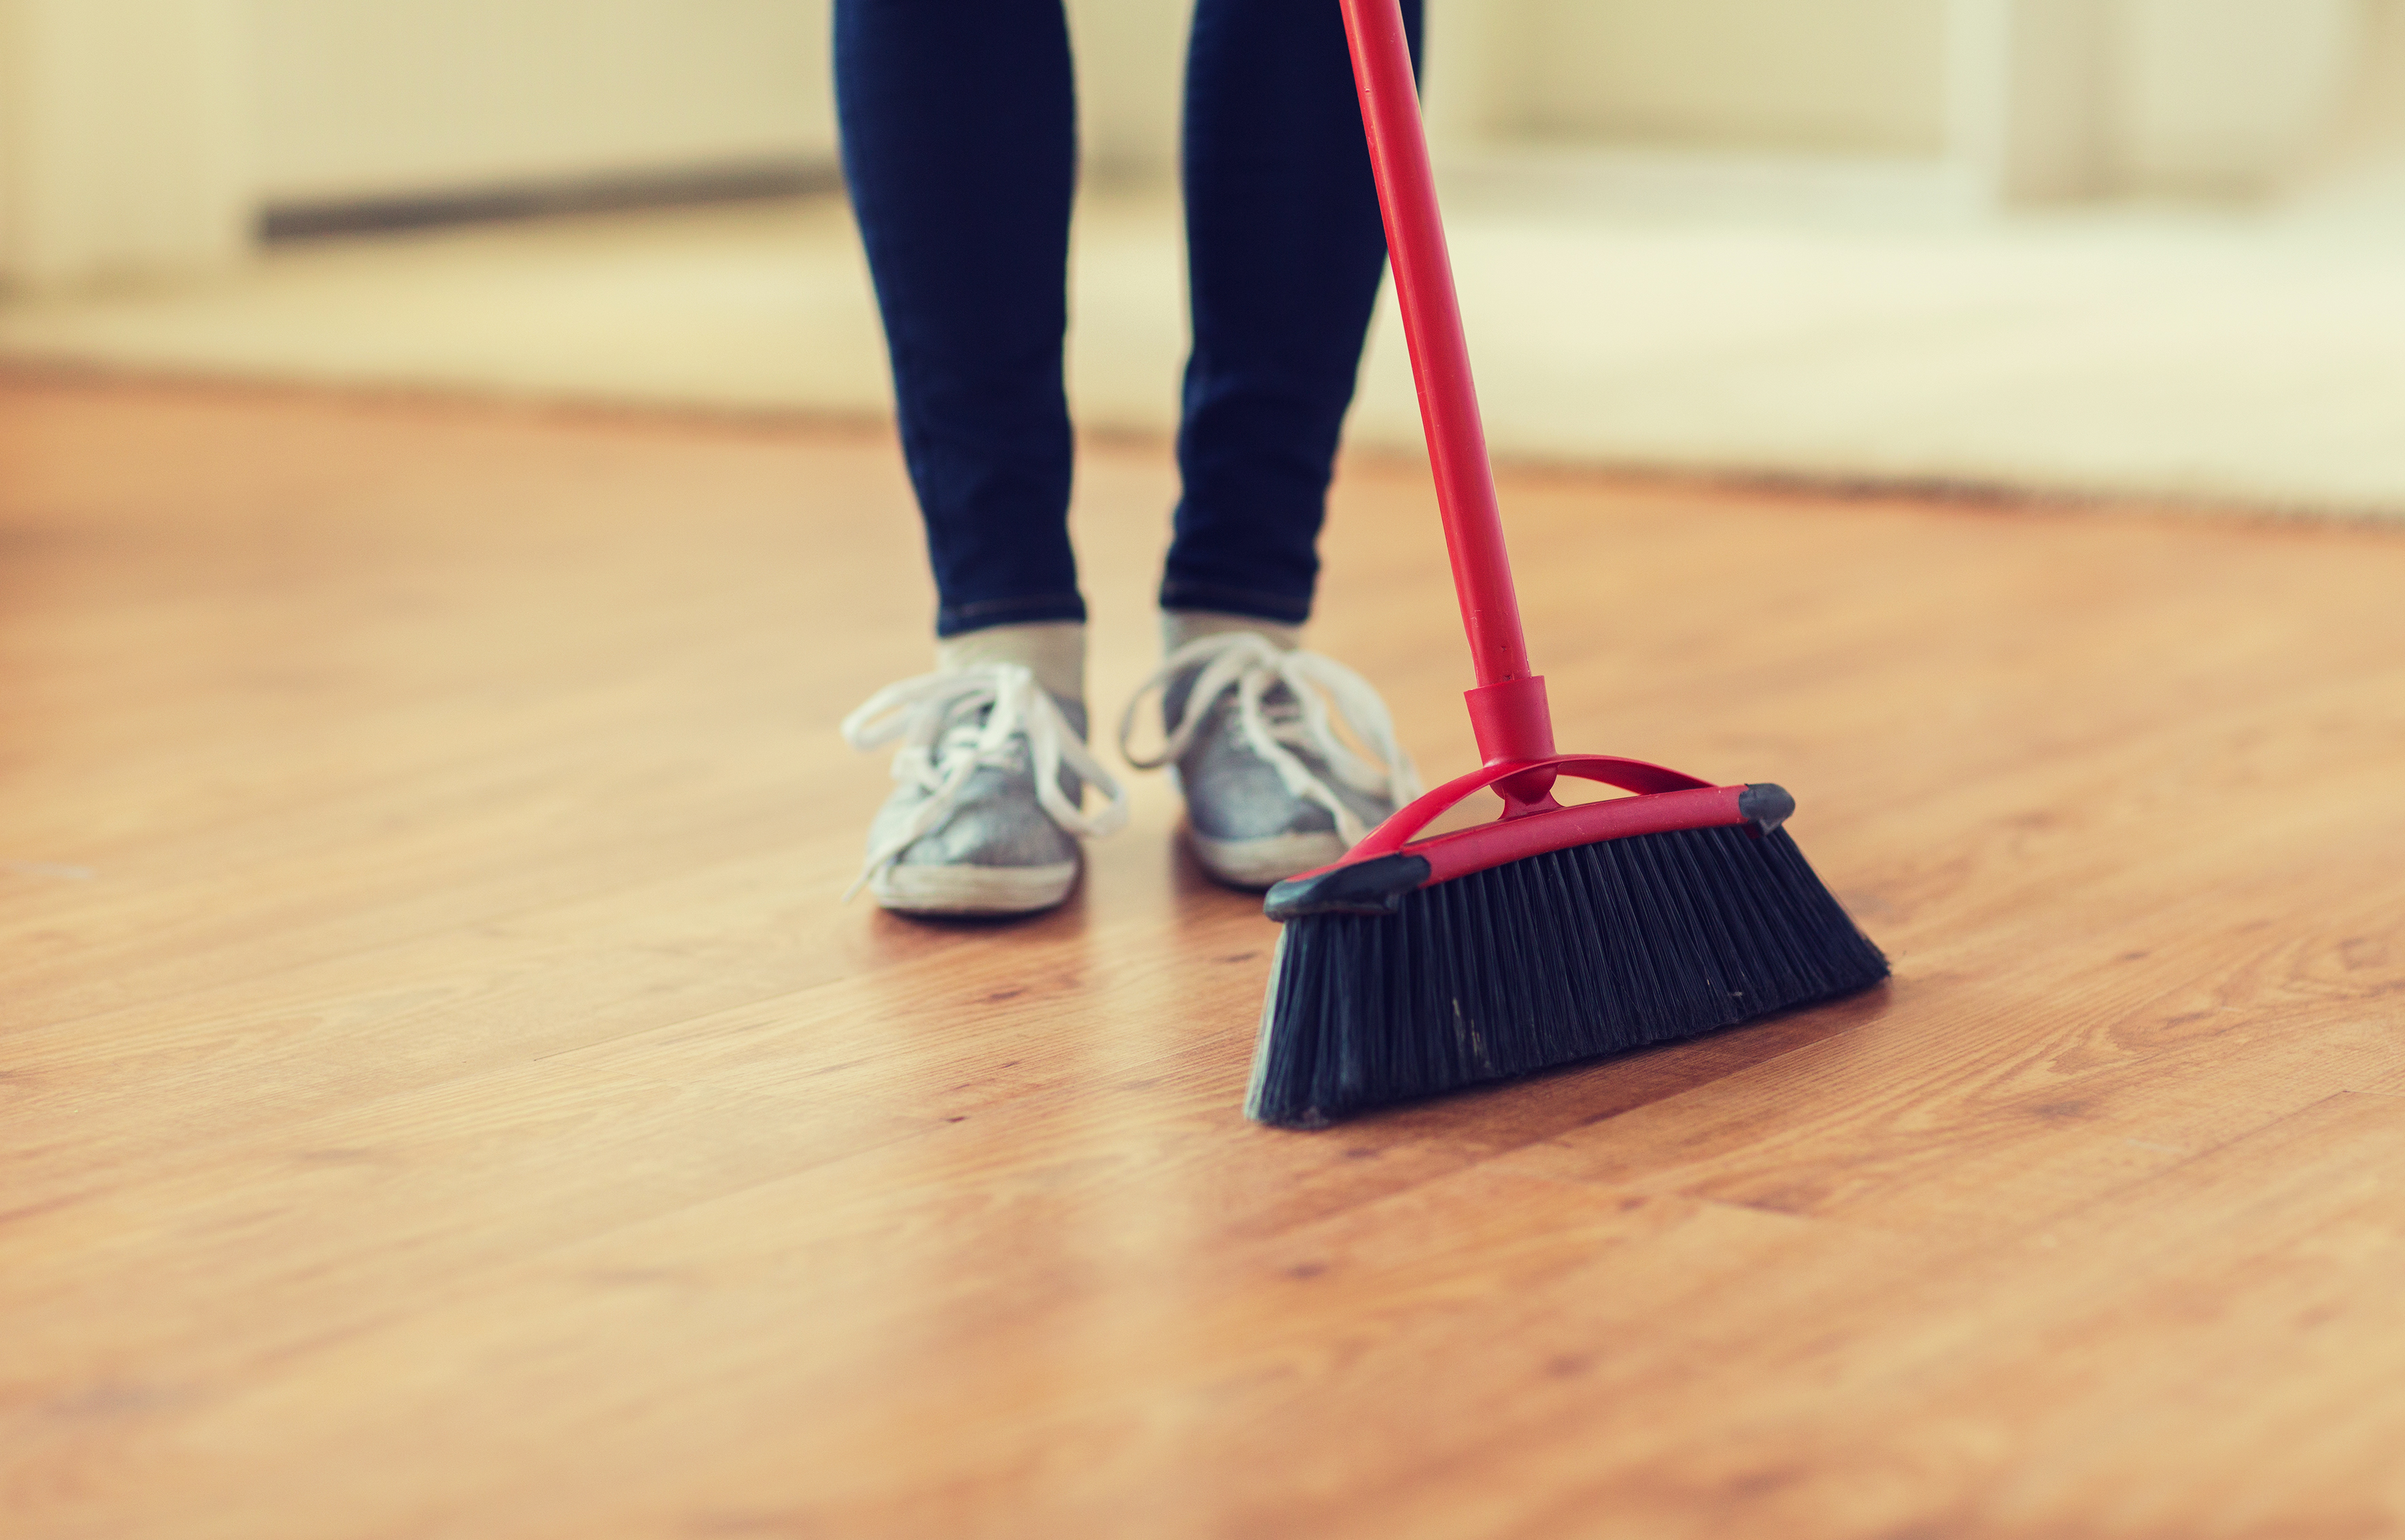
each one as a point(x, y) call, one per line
point(1554, 934)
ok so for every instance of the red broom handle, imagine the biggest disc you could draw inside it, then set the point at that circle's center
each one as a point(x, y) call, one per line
point(1512, 722)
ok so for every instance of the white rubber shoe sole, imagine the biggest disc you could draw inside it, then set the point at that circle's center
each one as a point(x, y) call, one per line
point(1259, 863)
point(972, 890)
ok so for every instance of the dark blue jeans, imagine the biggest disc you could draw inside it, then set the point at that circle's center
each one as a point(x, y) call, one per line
point(960, 146)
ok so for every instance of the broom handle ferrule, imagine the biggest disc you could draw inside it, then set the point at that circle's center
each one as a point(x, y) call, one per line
point(1465, 487)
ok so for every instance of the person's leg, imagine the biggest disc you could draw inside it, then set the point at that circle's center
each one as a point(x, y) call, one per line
point(960, 145)
point(1285, 254)
point(958, 124)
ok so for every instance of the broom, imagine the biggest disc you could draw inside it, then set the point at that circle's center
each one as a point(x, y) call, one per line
point(1554, 933)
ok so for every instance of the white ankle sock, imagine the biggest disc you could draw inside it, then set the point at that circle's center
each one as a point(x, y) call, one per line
point(1053, 651)
point(1180, 626)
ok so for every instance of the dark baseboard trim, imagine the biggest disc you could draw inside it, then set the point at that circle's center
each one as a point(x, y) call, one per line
point(302, 221)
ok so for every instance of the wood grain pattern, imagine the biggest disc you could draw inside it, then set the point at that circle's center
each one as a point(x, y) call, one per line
point(440, 1094)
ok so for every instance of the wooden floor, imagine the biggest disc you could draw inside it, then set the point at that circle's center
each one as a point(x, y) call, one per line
point(440, 1094)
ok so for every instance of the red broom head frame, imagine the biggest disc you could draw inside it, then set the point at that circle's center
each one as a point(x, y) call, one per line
point(1388, 862)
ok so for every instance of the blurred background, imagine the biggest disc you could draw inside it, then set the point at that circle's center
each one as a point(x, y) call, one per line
point(2135, 247)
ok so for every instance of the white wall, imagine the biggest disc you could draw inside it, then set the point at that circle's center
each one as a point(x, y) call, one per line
point(2029, 88)
point(1856, 77)
point(2371, 130)
point(379, 98)
point(144, 136)
point(2220, 97)
point(1131, 75)
point(123, 148)
point(2044, 98)
point(360, 99)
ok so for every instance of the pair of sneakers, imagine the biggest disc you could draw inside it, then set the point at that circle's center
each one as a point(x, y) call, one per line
point(994, 774)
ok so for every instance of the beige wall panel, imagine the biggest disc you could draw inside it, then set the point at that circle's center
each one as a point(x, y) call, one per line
point(1131, 77)
point(365, 98)
point(1844, 75)
point(2370, 128)
point(122, 149)
point(2228, 96)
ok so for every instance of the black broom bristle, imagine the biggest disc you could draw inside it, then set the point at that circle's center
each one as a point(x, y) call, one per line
point(1544, 961)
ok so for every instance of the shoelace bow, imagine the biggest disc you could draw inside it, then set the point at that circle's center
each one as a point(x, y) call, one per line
point(941, 760)
point(1252, 666)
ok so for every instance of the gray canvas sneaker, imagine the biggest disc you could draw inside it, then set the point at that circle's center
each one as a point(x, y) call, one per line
point(1270, 790)
point(988, 808)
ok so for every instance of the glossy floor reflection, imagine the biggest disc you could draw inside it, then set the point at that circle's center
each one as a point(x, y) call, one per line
point(444, 1096)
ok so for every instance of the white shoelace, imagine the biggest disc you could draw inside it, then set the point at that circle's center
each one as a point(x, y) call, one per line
point(940, 761)
point(1251, 665)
